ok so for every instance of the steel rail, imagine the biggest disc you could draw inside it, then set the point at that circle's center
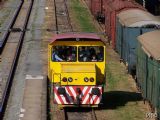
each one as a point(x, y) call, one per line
point(55, 8)
point(10, 78)
point(93, 114)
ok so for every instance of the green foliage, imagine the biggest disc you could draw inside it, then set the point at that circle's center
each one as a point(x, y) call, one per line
point(111, 81)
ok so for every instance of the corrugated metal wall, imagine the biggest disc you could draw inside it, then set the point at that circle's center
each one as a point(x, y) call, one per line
point(148, 77)
point(141, 70)
point(126, 43)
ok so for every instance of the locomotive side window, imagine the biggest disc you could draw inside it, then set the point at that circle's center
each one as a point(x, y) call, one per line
point(64, 53)
point(91, 53)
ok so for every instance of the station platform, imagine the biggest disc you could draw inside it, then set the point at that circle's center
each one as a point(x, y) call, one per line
point(34, 100)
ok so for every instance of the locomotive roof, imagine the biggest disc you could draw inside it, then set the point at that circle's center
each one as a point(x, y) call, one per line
point(68, 36)
point(151, 43)
point(137, 18)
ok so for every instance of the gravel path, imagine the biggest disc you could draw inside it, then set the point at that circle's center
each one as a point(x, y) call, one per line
point(30, 62)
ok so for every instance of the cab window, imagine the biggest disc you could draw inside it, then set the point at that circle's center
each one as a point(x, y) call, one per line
point(90, 53)
point(64, 53)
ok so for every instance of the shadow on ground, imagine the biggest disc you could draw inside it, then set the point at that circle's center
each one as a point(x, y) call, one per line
point(111, 100)
point(114, 99)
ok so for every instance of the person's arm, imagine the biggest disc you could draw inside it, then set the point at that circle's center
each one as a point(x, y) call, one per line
point(58, 58)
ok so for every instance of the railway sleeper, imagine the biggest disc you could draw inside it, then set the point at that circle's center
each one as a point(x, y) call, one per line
point(18, 30)
point(15, 30)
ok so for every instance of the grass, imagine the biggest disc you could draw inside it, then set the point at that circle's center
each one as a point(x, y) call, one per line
point(116, 76)
point(121, 100)
point(110, 78)
point(83, 17)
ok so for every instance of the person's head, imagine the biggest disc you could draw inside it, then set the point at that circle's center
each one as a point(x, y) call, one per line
point(69, 58)
point(56, 48)
point(92, 51)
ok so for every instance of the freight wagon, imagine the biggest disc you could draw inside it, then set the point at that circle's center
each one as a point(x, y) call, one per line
point(113, 8)
point(130, 24)
point(97, 9)
point(148, 67)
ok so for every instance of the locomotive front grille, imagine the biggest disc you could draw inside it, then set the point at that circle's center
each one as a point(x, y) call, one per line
point(78, 95)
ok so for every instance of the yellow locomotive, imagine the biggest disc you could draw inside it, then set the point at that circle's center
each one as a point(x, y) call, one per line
point(76, 69)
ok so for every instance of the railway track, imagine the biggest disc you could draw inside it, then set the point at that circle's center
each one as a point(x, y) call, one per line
point(93, 115)
point(11, 52)
point(63, 23)
point(79, 114)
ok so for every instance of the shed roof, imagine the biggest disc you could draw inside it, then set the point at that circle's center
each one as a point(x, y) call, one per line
point(66, 36)
point(137, 18)
point(151, 43)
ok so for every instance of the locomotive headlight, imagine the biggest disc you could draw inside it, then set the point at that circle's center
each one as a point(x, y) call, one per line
point(92, 79)
point(70, 79)
point(64, 79)
point(86, 79)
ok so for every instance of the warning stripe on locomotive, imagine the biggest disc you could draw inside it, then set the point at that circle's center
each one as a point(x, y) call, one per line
point(71, 94)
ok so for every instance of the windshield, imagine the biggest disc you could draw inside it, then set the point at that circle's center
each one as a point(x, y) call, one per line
point(91, 53)
point(64, 53)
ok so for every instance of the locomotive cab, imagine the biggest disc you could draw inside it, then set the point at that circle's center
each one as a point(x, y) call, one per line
point(76, 69)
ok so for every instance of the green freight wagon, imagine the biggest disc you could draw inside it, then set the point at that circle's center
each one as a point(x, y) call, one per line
point(130, 24)
point(148, 67)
